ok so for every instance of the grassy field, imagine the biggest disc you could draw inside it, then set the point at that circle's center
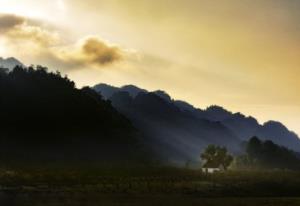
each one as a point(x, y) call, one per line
point(148, 186)
point(141, 200)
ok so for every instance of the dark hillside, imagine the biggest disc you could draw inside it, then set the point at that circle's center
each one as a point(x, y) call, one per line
point(44, 117)
point(176, 136)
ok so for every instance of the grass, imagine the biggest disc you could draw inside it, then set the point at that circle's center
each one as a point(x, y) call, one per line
point(148, 186)
point(140, 200)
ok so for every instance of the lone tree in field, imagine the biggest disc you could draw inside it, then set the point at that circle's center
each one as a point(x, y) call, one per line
point(215, 155)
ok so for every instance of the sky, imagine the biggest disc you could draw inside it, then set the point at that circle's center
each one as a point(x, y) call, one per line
point(240, 54)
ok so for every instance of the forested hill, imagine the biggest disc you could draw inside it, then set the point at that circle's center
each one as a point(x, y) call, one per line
point(197, 127)
point(177, 136)
point(45, 118)
point(267, 155)
point(9, 63)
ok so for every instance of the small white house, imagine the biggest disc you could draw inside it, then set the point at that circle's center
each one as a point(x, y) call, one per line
point(211, 167)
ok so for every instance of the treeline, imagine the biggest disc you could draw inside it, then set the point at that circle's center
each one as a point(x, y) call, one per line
point(266, 155)
point(34, 97)
point(44, 116)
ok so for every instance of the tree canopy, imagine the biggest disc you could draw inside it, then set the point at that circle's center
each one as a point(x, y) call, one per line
point(43, 114)
point(215, 156)
point(268, 155)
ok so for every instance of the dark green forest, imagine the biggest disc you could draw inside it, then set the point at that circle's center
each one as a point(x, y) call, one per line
point(267, 155)
point(45, 118)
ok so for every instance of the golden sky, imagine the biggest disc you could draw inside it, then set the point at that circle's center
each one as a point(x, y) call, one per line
point(241, 54)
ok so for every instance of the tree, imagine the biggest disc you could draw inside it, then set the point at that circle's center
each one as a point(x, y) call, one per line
point(217, 155)
point(209, 153)
point(254, 147)
point(3, 71)
point(45, 117)
point(267, 155)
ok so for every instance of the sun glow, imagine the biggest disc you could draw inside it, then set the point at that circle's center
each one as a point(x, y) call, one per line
point(14, 7)
point(34, 9)
point(61, 5)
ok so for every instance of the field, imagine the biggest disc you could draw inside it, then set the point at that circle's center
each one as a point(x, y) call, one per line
point(141, 200)
point(148, 186)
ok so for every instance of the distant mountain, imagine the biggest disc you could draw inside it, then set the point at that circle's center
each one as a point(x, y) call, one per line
point(184, 106)
point(246, 127)
point(163, 95)
point(279, 133)
point(217, 113)
point(132, 90)
point(107, 90)
point(171, 121)
point(10, 63)
point(176, 135)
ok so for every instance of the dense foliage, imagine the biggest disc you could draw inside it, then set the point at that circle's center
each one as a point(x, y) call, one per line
point(267, 155)
point(43, 116)
point(216, 156)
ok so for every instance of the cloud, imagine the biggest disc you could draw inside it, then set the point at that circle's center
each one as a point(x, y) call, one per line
point(91, 51)
point(34, 34)
point(96, 51)
point(9, 21)
point(100, 53)
point(16, 29)
point(22, 35)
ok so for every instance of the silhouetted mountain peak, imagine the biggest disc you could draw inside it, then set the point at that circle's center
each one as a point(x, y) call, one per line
point(10, 63)
point(217, 113)
point(240, 116)
point(151, 100)
point(274, 124)
point(278, 128)
point(216, 108)
point(184, 106)
point(277, 132)
point(132, 90)
point(13, 59)
point(160, 105)
point(106, 90)
point(163, 95)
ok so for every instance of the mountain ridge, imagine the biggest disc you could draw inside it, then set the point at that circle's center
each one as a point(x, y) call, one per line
point(159, 121)
point(244, 127)
point(46, 119)
point(10, 63)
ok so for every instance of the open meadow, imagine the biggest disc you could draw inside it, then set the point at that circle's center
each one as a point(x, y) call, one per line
point(149, 186)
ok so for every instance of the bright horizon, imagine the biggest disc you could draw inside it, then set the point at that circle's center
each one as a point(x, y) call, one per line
point(241, 55)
